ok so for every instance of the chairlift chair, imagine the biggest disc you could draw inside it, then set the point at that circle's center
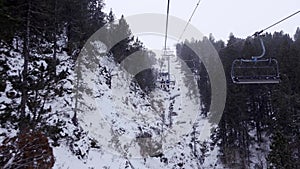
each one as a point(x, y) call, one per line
point(255, 70)
point(165, 82)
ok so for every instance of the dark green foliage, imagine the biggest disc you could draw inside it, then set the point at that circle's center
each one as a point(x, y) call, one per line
point(36, 33)
point(280, 154)
point(262, 109)
point(8, 22)
point(189, 57)
point(129, 51)
point(255, 114)
point(146, 80)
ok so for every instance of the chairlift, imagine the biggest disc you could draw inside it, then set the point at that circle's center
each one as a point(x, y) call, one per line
point(255, 70)
point(165, 81)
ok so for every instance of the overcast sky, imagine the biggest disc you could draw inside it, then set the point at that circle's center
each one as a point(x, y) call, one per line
point(219, 17)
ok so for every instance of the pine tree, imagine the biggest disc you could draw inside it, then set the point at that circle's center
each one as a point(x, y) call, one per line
point(280, 154)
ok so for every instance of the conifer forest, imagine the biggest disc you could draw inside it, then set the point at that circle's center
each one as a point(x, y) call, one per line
point(47, 103)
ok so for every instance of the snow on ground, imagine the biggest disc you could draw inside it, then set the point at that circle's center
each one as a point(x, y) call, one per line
point(259, 152)
point(131, 127)
point(132, 130)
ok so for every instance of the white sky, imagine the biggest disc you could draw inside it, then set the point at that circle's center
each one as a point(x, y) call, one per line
point(219, 17)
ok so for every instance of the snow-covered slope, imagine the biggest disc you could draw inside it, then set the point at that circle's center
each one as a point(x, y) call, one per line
point(119, 126)
point(132, 130)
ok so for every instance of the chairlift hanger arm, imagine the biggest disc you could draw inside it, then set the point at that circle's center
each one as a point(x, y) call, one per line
point(263, 49)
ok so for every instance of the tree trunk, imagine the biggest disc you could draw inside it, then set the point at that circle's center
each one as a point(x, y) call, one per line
point(24, 87)
point(55, 39)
